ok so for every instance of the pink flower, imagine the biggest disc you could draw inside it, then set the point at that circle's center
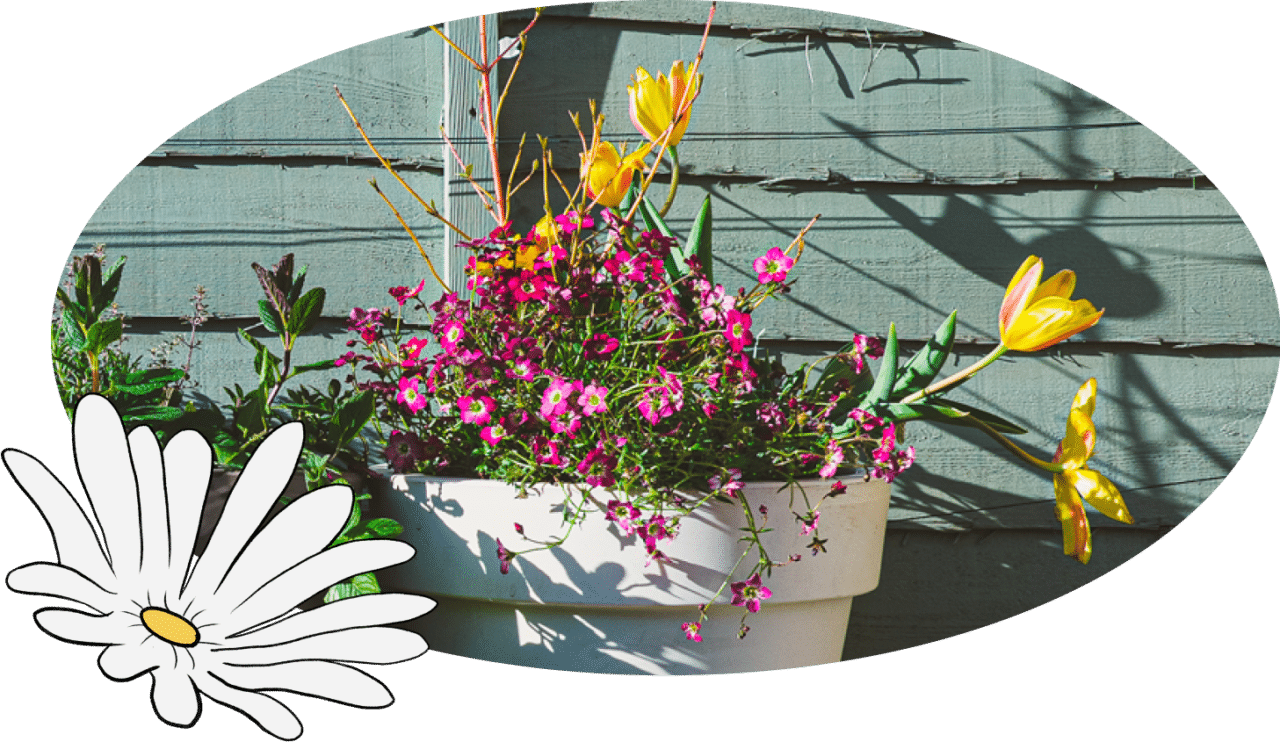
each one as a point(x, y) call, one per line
point(568, 422)
point(529, 286)
point(413, 348)
point(547, 452)
point(624, 514)
point(409, 396)
point(739, 330)
point(810, 524)
point(504, 557)
point(598, 468)
point(730, 484)
point(691, 630)
point(451, 335)
point(493, 434)
point(833, 459)
point(592, 400)
point(403, 293)
point(773, 266)
point(476, 409)
point(404, 451)
point(599, 346)
point(555, 400)
point(750, 593)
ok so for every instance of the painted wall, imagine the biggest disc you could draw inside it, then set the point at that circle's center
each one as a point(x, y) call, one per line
point(937, 168)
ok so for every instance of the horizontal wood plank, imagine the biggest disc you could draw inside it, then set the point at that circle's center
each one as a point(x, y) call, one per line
point(393, 85)
point(1169, 265)
point(927, 111)
point(752, 16)
point(205, 223)
point(935, 586)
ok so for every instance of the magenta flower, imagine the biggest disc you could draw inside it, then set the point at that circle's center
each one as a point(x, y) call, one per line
point(838, 488)
point(810, 524)
point(555, 400)
point(409, 395)
point(529, 286)
point(833, 459)
point(404, 293)
point(691, 629)
point(598, 468)
point(773, 266)
point(728, 485)
point(624, 514)
point(413, 348)
point(524, 369)
point(476, 409)
point(568, 423)
point(592, 400)
point(451, 335)
point(599, 346)
point(626, 266)
point(504, 558)
point(653, 531)
point(493, 434)
point(547, 452)
point(404, 451)
point(739, 330)
point(750, 593)
point(573, 221)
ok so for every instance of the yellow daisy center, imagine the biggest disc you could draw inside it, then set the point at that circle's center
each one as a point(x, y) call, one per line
point(170, 626)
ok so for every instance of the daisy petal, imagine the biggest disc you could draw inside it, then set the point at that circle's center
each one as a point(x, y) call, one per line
point(76, 627)
point(259, 486)
point(376, 645)
point(272, 716)
point(153, 513)
point(350, 613)
point(74, 539)
point(43, 578)
point(122, 662)
point(188, 461)
point(301, 530)
point(312, 576)
point(174, 697)
point(327, 680)
point(106, 470)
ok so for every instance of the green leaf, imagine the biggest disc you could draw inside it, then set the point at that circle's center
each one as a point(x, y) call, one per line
point(950, 413)
point(151, 414)
point(888, 370)
point(306, 312)
point(649, 215)
point(340, 591)
point(72, 335)
point(384, 527)
point(106, 293)
point(251, 340)
point(317, 366)
point(103, 334)
point(699, 243)
point(270, 318)
point(145, 382)
point(927, 362)
point(352, 415)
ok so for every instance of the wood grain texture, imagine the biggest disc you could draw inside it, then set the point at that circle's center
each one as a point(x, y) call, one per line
point(935, 586)
point(929, 110)
point(731, 15)
point(393, 85)
point(205, 223)
point(1170, 265)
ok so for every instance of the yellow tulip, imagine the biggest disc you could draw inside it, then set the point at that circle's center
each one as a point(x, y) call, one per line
point(1036, 315)
point(1078, 481)
point(654, 102)
point(608, 175)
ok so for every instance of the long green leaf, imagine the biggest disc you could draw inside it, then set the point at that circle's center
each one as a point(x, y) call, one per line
point(888, 371)
point(103, 334)
point(306, 312)
point(699, 243)
point(951, 413)
point(928, 361)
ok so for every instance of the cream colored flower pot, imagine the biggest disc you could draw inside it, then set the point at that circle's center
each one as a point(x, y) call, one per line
point(593, 605)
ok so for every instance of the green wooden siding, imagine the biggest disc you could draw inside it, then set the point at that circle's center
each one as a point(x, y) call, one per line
point(936, 173)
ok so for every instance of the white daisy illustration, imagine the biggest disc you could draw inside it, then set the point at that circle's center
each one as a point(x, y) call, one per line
point(223, 626)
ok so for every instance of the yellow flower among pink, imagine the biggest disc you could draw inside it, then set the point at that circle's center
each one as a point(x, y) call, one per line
point(1035, 315)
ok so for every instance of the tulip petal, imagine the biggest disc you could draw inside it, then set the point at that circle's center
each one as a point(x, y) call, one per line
point(1099, 492)
point(1049, 321)
point(1077, 541)
point(1085, 397)
point(1077, 444)
point(1019, 292)
point(1061, 284)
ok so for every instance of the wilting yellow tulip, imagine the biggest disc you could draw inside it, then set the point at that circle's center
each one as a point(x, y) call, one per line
point(1077, 480)
point(1036, 315)
point(654, 102)
point(608, 175)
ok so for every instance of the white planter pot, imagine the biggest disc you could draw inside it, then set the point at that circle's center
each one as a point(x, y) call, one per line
point(592, 604)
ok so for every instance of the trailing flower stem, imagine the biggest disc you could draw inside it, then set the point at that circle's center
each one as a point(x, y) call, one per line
point(957, 378)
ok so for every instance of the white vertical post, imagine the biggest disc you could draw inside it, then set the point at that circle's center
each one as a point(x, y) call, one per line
point(461, 120)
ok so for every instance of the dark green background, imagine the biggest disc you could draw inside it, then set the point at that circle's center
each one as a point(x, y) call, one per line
point(1178, 644)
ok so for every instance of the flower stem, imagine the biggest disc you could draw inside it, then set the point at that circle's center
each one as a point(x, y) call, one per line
point(675, 182)
point(956, 379)
point(1016, 450)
